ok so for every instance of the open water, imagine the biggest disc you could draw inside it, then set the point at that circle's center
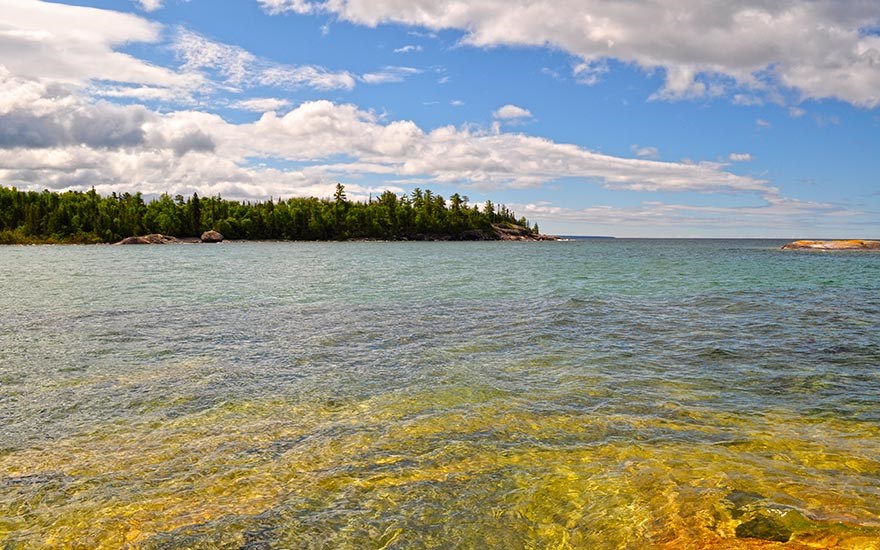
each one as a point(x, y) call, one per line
point(585, 394)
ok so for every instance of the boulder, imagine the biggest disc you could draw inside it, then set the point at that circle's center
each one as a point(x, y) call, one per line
point(764, 527)
point(153, 238)
point(212, 237)
point(760, 518)
point(849, 244)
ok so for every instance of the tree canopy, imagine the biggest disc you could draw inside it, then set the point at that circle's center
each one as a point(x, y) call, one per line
point(87, 217)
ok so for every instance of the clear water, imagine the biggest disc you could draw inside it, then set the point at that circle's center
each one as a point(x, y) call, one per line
point(587, 394)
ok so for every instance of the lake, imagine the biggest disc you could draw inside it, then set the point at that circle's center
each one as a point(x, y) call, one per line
point(584, 394)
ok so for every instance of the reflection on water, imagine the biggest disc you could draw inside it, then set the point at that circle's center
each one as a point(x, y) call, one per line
point(355, 396)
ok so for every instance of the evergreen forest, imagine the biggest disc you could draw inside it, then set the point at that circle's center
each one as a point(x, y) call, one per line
point(28, 217)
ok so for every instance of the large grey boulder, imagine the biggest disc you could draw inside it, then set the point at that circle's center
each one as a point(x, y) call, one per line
point(212, 237)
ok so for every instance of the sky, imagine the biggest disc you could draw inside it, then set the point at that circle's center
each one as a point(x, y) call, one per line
point(627, 118)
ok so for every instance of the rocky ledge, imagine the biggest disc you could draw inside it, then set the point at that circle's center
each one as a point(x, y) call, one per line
point(158, 238)
point(498, 232)
point(850, 244)
point(510, 232)
point(153, 238)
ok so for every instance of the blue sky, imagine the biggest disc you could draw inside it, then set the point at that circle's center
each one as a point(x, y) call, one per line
point(587, 116)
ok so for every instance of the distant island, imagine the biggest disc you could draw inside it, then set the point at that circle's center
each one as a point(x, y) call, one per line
point(75, 217)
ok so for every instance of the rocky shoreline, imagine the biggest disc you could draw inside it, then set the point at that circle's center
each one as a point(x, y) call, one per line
point(499, 232)
point(843, 244)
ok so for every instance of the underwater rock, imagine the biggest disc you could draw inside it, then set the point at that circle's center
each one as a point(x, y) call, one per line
point(766, 520)
point(850, 244)
point(764, 528)
point(212, 237)
point(153, 238)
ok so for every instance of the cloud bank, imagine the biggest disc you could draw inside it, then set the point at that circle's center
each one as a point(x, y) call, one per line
point(819, 49)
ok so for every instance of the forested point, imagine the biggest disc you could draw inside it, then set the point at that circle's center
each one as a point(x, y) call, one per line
point(31, 217)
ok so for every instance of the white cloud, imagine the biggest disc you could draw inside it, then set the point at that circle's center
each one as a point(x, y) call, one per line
point(456, 103)
point(281, 6)
point(323, 130)
point(590, 73)
point(645, 152)
point(796, 112)
point(763, 124)
point(511, 112)
point(237, 67)
point(150, 5)
point(408, 49)
point(389, 74)
point(76, 45)
point(772, 215)
point(54, 137)
point(815, 48)
point(739, 157)
point(262, 104)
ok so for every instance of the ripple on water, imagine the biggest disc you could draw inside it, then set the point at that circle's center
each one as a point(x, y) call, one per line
point(425, 395)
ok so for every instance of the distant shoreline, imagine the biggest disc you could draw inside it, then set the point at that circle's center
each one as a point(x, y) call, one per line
point(73, 217)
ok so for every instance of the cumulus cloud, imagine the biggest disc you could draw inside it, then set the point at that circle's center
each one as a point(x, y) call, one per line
point(76, 45)
point(54, 133)
point(511, 112)
point(70, 122)
point(323, 130)
point(58, 137)
point(818, 49)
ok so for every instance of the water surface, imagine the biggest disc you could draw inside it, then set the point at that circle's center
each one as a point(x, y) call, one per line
point(587, 394)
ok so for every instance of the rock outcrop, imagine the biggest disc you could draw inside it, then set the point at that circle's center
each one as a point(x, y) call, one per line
point(154, 238)
point(212, 237)
point(850, 244)
point(511, 232)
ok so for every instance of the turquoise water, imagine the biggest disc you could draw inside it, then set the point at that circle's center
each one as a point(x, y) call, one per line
point(584, 394)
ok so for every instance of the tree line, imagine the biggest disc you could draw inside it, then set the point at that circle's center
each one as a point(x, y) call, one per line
point(88, 217)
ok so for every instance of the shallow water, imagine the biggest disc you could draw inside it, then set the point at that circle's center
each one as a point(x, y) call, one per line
point(586, 394)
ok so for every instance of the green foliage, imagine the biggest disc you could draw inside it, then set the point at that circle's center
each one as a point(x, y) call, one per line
point(75, 217)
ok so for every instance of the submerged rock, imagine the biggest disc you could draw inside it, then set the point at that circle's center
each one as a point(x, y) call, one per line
point(153, 238)
point(850, 244)
point(764, 528)
point(212, 237)
point(765, 520)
